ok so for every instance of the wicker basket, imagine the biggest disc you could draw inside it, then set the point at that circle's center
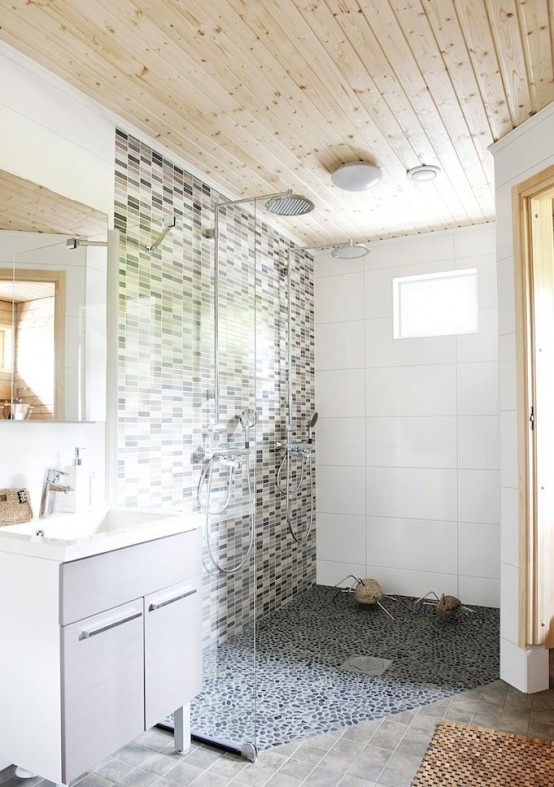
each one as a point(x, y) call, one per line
point(15, 506)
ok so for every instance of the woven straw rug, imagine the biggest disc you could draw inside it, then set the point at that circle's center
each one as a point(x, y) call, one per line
point(461, 755)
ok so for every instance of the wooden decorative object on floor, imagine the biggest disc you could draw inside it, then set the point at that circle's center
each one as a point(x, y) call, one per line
point(448, 606)
point(461, 754)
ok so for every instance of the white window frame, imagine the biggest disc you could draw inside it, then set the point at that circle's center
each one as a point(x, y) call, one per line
point(401, 328)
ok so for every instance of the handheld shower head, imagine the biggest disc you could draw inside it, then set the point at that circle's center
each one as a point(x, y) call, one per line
point(312, 422)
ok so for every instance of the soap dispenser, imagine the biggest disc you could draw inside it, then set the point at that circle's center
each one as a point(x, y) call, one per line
point(79, 497)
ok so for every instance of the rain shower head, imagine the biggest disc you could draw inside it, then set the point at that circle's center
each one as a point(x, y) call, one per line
point(349, 251)
point(248, 418)
point(289, 205)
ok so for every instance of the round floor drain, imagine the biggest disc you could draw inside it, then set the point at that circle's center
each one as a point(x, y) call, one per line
point(367, 665)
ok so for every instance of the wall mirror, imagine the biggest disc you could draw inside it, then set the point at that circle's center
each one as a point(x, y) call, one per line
point(53, 277)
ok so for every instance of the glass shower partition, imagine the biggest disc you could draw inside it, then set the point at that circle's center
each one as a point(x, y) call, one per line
point(225, 712)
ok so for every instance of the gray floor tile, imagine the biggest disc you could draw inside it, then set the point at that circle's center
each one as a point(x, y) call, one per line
point(132, 754)
point(370, 763)
point(114, 769)
point(271, 759)
point(255, 775)
point(211, 779)
point(298, 769)
point(389, 735)
point(337, 761)
point(323, 777)
point(283, 780)
point(355, 781)
point(183, 773)
point(204, 757)
point(139, 778)
point(309, 753)
point(400, 770)
point(228, 766)
point(90, 780)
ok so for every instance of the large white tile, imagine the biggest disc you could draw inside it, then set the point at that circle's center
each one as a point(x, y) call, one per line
point(509, 602)
point(340, 393)
point(510, 527)
point(340, 441)
point(340, 490)
point(411, 390)
point(475, 241)
point(339, 298)
point(339, 345)
point(402, 582)
point(413, 544)
point(477, 388)
point(423, 249)
point(479, 591)
point(479, 496)
point(506, 296)
point(508, 449)
point(507, 372)
point(378, 285)
point(479, 550)
point(332, 573)
point(411, 442)
point(325, 265)
point(340, 537)
point(481, 346)
point(479, 442)
point(381, 349)
point(487, 291)
point(409, 493)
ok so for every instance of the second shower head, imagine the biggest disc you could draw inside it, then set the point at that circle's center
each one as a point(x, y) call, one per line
point(289, 204)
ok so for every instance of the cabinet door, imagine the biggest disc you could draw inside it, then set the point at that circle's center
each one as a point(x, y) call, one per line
point(102, 685)
point(172, 649)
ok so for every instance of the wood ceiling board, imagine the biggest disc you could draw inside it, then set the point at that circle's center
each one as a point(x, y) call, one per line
point(28, 207)
point(265, 95)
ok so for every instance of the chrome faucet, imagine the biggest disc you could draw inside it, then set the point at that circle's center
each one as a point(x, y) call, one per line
point(52, 483)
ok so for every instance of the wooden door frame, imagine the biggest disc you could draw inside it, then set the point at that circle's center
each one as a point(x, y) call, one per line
point(533, 628)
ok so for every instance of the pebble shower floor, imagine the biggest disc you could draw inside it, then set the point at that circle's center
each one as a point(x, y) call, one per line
point(300, 689)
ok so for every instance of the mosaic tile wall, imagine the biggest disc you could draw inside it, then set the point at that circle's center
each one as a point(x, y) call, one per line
point(166, 375)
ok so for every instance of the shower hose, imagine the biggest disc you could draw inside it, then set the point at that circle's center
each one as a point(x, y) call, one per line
point(206, 477)
point(286, 491)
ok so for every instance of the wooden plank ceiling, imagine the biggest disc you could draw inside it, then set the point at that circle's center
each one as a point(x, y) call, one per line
point(266, 95)
point(27, 207)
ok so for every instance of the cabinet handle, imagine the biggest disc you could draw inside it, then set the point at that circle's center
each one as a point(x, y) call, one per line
point(87, 633)
point(161, 604)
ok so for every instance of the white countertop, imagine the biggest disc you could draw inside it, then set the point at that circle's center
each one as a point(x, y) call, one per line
point(74, 536)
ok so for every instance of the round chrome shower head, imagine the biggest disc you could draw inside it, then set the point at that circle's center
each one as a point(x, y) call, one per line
point(349, 251)
point(290, 205)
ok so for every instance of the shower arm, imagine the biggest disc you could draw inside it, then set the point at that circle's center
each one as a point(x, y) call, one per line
point(242, 201)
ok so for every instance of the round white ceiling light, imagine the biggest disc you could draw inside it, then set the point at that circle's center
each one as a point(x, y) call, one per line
point(423, 173)
point(356, 176)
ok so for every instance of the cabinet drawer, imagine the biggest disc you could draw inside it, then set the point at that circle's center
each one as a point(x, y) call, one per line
point(102, 687)
point(104, 581)
point(172, 649)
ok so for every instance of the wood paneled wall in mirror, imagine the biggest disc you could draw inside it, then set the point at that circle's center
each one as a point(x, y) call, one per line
point(53, 274)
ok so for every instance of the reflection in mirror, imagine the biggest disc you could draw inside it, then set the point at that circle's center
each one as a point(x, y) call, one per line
point(53, 273)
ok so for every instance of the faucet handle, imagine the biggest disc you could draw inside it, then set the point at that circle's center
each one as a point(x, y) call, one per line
point(53, 474)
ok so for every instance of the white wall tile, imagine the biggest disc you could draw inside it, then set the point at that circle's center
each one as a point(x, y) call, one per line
point(378, 285)
point(325, 265)
point(340, 441)
point(413, 544)
point(411, 390)
point(477, 388)
point(509, 601)
point(510, 526)
point(486, 278)
point(504, 232)
point(340, 537)
point(479, 442)
point(398, 581)
point(333, 572)
point(479, 592)
point(411, 442)
point(479, 550)
point(417, 249)
point(481, 346)
point(506, 296)
point(507, 373)
point(409, 493)
point(508, 449)
point(339, 298)
point(340, 393)
point(479, 496)
point(340, 490)
point(382, 350)
point(475, 241)
point(339, 345)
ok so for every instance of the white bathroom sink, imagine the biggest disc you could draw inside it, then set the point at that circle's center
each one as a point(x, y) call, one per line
point(73, 536)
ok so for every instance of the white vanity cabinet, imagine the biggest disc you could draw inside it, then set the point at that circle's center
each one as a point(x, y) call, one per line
point(96, 650)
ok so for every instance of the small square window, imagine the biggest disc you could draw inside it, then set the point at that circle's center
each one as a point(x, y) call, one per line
point(435, 304)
